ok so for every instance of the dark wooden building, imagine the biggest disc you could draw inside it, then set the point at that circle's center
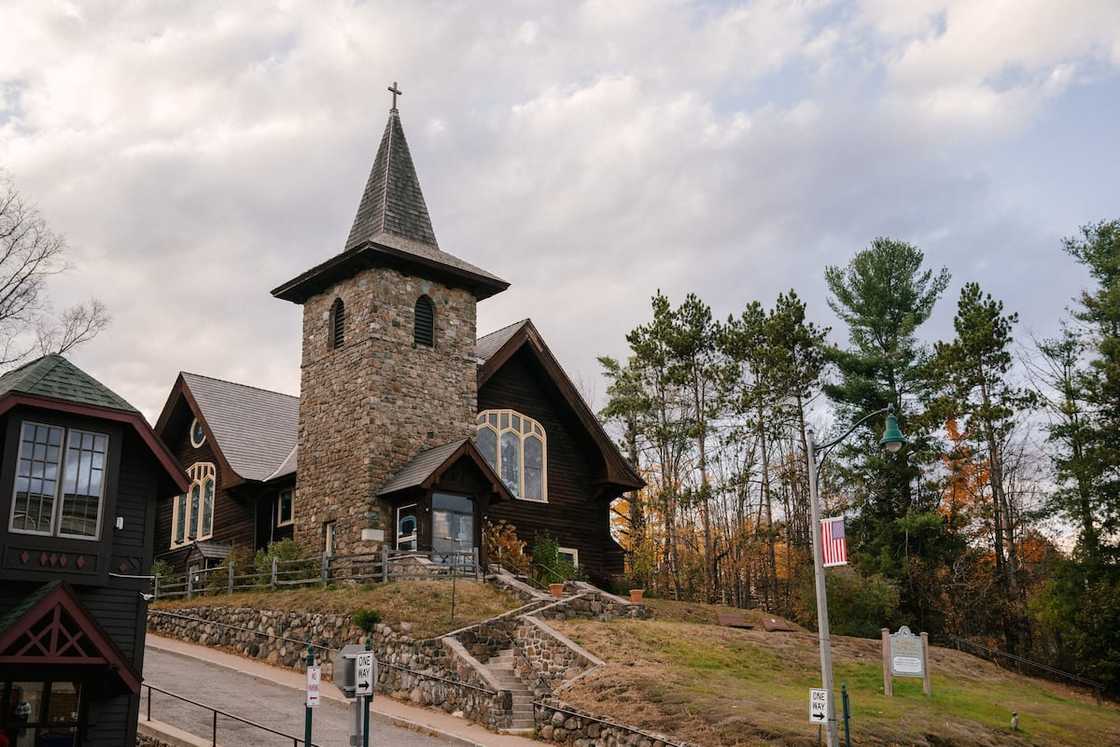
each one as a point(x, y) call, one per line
point(80, 475)
point(410, 430)
point(238, 446)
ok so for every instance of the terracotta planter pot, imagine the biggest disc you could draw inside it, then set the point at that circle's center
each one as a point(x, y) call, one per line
point(636, 596)
point(557, 590)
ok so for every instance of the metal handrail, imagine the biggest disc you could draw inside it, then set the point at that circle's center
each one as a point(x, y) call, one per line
point(991, 653)
point(296, 740)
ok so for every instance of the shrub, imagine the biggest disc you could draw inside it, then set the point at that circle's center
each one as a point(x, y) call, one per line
point(283, 551)
point(504, 547)
point(549, 566)
point(161, 569)
point(366, 619)
point(858, 605)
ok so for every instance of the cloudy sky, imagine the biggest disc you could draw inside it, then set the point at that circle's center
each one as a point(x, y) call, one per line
point(197, 154)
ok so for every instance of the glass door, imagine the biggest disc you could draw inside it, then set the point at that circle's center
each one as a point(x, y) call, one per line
point(407, 523)
point(452, 527)
point(40, 714)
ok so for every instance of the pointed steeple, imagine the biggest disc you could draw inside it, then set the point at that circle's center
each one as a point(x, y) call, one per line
point(392, 202)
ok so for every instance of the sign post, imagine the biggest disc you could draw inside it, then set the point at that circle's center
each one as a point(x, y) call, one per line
point(363, 686)
point(905, 655)
point(818, 706)
point(313, 678)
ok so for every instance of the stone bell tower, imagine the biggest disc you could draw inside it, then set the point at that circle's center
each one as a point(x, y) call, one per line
point(387, 365)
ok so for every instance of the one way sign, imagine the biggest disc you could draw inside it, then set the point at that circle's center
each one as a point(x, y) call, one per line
point(818, 706)
point(363, 673)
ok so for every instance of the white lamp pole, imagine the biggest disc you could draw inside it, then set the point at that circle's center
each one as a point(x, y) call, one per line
point(822, 594)
point(891, 441)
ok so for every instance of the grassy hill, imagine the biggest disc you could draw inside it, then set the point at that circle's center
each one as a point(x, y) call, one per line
point(683, 675)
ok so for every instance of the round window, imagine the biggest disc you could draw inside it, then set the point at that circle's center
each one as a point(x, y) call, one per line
point(198, 435)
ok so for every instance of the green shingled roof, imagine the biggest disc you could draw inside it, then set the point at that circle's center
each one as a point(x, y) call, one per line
point(21, 607)
point(55, 377)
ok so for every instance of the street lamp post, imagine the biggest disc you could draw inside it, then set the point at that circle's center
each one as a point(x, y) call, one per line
point(891, 441)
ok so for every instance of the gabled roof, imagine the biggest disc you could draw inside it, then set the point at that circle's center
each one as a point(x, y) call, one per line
point(54, 383)
point(50, 626)
point(253, 429)
point(486, 346)
point(55, 377)
point(287, 467)
point(426, 467)
point(392, 228)
point(498, 347)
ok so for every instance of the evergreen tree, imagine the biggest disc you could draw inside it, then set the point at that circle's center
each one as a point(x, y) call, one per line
point(884, 295)
point(973, 371)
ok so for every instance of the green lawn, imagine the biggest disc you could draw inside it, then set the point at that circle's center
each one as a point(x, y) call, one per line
point(718, 686)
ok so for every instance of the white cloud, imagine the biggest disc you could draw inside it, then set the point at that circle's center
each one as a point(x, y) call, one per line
point(198, 154)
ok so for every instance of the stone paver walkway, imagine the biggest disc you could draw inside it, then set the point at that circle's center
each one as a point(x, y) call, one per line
point(437, 727)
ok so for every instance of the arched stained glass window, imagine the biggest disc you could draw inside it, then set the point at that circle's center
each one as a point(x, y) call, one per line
point(515, 446)
point(424, 330)
point(193, 517)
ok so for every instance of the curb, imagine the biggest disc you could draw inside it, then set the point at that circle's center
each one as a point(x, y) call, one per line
point(331, 693)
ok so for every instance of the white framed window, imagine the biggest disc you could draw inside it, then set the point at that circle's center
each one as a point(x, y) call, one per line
point(516, 447)
point(570, 554)
point(192, 515)
point(60, 482)
point(284, 509)
point(198, 433)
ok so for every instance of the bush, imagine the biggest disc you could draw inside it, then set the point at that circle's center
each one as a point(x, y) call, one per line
point(366, 619)
point(858, 605)
point(504, 547)
point(283, 551)
point(549, 566)
point(161, 569)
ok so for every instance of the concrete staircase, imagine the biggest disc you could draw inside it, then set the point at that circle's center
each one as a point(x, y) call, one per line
point(501, 667)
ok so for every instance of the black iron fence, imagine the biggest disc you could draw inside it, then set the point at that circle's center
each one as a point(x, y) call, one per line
point(214, 714)
point(1023, 665)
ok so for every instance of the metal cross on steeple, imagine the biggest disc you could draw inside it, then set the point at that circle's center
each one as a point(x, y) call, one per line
point(396, 92)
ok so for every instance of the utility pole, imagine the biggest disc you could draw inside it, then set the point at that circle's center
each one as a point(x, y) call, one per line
point(307, 707)
point(822, 593)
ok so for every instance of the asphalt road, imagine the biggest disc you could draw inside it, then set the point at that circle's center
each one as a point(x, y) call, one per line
point(275, 706)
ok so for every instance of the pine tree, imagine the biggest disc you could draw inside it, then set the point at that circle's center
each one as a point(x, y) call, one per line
point(884, 295)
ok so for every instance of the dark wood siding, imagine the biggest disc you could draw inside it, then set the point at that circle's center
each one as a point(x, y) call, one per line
point(575, 514)
point(113, 602)
point(234, 509)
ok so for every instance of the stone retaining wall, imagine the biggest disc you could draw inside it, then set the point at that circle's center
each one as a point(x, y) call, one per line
point(562, 724)
point(550, 658)
point(425, 672)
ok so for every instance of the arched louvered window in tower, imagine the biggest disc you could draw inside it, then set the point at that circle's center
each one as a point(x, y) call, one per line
point(424, 332)
point(338, 323)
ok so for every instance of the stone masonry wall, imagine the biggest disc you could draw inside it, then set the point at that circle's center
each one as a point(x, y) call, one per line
point(562, 724)
point(425, 672)
point(550, 657)
point(369, 406)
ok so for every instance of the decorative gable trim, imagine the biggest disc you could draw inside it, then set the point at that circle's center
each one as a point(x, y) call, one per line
point(618, 470)
point(56, 629)
point(181, 391)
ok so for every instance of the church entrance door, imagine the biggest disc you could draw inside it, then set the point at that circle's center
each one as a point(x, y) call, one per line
point(407, 523)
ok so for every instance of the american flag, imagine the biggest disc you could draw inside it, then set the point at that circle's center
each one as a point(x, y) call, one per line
point(834, 545)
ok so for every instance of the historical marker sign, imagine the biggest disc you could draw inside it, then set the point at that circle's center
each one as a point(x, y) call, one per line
point(906, 654)
point(314, 675)
point(818, 706)
point(363, 673)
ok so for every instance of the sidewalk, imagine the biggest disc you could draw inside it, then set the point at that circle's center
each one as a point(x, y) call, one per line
point(424, 720)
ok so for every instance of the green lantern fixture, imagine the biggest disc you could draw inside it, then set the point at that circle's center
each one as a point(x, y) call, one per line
point(892, 439)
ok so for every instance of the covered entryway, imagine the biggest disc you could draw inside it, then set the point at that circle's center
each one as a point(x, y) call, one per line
point(438, 502)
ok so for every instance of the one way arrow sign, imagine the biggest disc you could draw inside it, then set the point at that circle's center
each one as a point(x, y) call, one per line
point(818, 706)
point(363, 673)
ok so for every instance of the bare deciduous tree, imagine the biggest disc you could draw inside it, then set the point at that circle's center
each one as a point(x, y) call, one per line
point(30, 252)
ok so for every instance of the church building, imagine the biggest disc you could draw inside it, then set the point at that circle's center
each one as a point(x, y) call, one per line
point(410, 429)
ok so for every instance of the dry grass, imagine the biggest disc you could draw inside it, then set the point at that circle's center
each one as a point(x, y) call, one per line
point(425, 604)
point(723, 687)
